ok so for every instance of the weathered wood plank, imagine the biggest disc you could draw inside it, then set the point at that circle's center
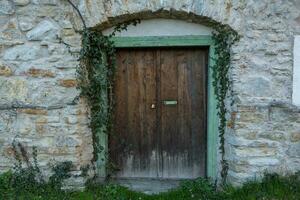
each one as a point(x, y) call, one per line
point(169, 129)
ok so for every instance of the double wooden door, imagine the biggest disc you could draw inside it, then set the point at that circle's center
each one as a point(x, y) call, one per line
point(160, 113)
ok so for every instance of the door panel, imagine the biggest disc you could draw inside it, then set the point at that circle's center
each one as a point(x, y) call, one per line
point(160, 113)
point(135, 120)
point(183, 125)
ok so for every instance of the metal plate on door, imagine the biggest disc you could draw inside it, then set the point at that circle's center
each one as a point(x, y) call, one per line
point(170, 102)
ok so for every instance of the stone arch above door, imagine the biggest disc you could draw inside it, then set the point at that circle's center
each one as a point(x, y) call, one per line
point(104, 14)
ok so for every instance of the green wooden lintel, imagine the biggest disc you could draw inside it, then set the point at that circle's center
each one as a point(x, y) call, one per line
point(162, 41)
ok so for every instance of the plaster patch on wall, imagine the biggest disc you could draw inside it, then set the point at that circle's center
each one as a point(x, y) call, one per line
point(296, 76)
point(167, 27)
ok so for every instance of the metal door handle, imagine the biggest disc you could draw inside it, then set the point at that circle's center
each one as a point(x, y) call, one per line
point(153, 106)
point(170, 102)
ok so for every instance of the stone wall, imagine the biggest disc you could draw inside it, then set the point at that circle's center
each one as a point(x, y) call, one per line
point(39, 103)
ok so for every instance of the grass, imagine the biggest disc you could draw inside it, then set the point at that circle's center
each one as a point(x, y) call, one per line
point(271, 187)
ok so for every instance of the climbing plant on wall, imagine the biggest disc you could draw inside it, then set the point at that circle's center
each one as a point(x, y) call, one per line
point(224, 37)
point(95, 76)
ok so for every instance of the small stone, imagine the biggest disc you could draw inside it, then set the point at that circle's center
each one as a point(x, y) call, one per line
point(250, 135)
point(295, 137)
point(253, 116)
point(68, 83)
point(46, 29)
point(13, 90)
point(62, 141)
point(40, 73)
point(257, 151)
point(71, 120)
point(25, 23)
point(66, 24)
point(41, 120)
point(10, 34)
point(263, 161)
point(7, 7)
point(68, 32)
point(9, 151)
point(230, 124)
point(5, 70)
point(45, 2)
point(258, 86)
point(53, 119)
point(40, 128)
point(32, 111)
point(276, 136)
point(25, 130)
point(43, 142)
point(21, 2)
point(294, 150)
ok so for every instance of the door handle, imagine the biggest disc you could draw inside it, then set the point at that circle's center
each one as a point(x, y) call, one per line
point(153, 106)
point(170, 102)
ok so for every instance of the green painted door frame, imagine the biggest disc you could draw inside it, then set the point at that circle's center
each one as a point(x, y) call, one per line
point(185, 41)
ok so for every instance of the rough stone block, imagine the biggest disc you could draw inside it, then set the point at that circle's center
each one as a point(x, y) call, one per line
point(68, 83)
point(7, 7)
point(7, 122)
point(41, 129)
point(5, 70)
point(25, 23)
point(66, 141)
point(255, 152)
point(45, 2)
point(34, 111)
point(294, 150)
point(46, 29)
point(71, 120)
point(251, 114)
point(268, 161)
point(40, 73)
point(274, 135)
point(295, 136)
point(53, 119)
point(24, 52)
point(13, 90)
point(21, 2)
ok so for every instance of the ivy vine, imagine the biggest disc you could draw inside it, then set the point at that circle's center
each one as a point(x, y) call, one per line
point(224, 37)
point(95, 78)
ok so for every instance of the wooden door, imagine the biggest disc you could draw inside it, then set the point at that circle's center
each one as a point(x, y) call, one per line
point(160, 113)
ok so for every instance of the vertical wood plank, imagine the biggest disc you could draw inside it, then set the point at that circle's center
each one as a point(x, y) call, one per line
point(198, 126)
point(169, 128)
point(118, 136)
point(184, 110)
